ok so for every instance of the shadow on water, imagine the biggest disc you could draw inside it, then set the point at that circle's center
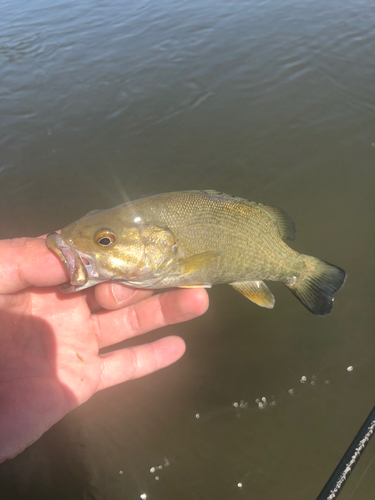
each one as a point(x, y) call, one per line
point(270, 101)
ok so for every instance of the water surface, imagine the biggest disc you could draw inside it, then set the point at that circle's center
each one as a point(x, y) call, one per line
point(271, 101)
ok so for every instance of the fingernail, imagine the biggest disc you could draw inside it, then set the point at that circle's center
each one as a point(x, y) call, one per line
point(121, 293)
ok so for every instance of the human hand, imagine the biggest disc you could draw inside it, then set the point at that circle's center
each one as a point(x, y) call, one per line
point(49, 341)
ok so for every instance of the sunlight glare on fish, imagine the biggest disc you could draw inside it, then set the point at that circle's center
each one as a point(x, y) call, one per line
point(116, 200)
point(98, 187)
point(124, 195)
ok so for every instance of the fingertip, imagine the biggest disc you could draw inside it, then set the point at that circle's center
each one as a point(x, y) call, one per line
point(28, 262)
point(130, 363)
point(194, 301)
point(201, 300)
point(169, 349)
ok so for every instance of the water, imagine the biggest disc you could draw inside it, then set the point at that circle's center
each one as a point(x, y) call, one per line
point(272, 101)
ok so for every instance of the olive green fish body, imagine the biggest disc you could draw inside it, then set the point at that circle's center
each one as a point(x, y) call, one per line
point(195, 238)
point(244, 235)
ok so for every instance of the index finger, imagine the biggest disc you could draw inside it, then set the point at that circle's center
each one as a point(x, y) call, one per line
point(28, 262)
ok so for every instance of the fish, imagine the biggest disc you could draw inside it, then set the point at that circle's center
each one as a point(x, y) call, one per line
point(191, 239)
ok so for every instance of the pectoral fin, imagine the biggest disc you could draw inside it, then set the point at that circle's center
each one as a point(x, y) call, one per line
point(197, 262)
point(257, 292)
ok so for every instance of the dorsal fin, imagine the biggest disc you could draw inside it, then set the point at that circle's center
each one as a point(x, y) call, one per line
point(284, 223)
point(226, 195)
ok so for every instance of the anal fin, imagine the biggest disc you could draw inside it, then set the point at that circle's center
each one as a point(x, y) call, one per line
point(257, 292)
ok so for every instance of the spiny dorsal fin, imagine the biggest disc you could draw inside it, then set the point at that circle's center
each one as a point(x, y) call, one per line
point(284, 223)
point(219, 193)
point(226, 195)
point(257, 292)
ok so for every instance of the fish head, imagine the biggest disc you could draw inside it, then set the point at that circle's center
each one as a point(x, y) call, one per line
point(101, 247)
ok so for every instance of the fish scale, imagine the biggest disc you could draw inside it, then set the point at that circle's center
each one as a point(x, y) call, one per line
point(236, 229)
point(192, 239)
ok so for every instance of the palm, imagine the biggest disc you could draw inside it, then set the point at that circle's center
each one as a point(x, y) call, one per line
point(54, 349)
point(49, 345)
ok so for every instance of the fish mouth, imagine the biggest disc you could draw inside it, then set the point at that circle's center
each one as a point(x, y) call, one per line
point(72, 261)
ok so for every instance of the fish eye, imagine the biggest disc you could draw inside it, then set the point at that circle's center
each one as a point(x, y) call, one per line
point(105, 237)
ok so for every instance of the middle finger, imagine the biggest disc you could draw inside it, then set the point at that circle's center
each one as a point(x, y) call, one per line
point(166, 308)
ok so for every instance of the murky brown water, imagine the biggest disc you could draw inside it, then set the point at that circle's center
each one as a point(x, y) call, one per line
point(271, 101)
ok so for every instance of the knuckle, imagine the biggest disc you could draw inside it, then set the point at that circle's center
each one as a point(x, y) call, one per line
point(133, 320)
point(159, 312)
point(133, 365)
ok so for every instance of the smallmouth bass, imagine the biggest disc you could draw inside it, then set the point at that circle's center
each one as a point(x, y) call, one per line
point(194, 239)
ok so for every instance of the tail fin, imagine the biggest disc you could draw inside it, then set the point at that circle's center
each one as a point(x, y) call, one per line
point(317, 284)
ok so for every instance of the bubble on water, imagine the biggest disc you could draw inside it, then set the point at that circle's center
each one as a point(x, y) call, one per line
point(243, 404)
point(327, 382)
point(264, 399)
point(291, 391)
point(313, 377)
point(160, 467)
point(143, 496)
point(235, 404)
point(121, 472)
point(261, 405)
point(257, 400)
point(197, 415)
point(239, 485)
point(303, 379)
point(156, 478)
point(152, 470)
point(166, 462)
point(273, 403)
point(312, 382)
point(350, 369)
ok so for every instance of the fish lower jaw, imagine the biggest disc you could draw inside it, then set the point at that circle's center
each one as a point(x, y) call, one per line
point(71, 260)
